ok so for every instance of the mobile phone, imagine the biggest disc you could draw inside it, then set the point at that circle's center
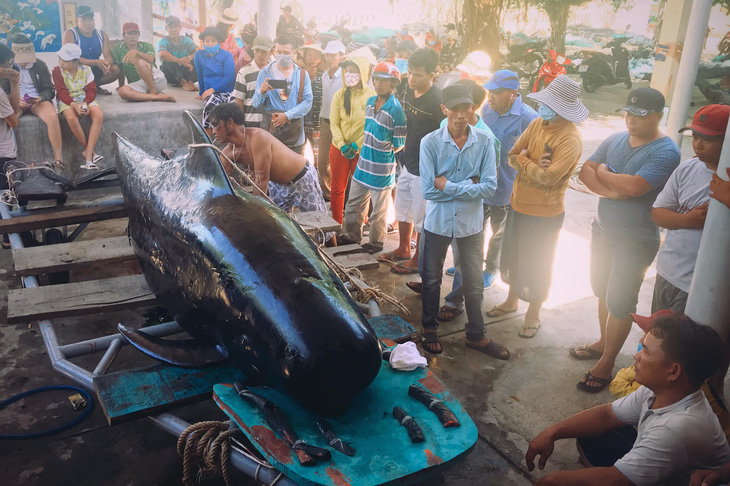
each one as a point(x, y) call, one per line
point(611, 169)
point(278, 83)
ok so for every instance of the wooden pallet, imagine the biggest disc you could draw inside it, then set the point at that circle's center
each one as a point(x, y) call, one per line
point(62, 216)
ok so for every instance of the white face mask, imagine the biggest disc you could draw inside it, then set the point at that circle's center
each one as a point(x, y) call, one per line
point(352, 80)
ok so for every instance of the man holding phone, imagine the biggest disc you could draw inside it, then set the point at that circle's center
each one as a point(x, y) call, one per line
point(627, 172)
point(284, 92)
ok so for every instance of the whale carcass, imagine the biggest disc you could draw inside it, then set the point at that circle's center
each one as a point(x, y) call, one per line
point(242, 279)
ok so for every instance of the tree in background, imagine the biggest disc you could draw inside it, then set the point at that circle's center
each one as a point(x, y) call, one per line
point(480, 20)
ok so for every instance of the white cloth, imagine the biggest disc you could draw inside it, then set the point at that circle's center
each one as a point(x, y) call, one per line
point(8, 149)
point(26, 83)
point(329, 88)
point(687, 188)
point(157, 76)
point(410, 206)
point(405, 357)
point(672, 441)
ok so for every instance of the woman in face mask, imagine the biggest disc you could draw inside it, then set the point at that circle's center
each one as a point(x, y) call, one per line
point(347, 122)
point(545, 156)
point(216, 73)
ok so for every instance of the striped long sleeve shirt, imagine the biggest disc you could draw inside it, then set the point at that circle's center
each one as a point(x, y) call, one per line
point(385, 134)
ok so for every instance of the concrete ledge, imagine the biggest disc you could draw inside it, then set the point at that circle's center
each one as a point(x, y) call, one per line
point(151, 125)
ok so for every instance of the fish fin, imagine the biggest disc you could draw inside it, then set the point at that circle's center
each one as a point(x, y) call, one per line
point(190, 353)
point(199, 135)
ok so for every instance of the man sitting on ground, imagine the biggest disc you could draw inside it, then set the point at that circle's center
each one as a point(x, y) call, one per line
point(146, 82)
point(288, 178)
point(176, 55)
point(677, 430)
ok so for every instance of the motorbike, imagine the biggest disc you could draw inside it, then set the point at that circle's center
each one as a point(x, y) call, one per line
point(525, 59)
point(551, 69)
point(600, 69)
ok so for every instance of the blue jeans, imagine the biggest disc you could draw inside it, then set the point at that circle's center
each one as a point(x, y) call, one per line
point(471, 251)
point(496, 216)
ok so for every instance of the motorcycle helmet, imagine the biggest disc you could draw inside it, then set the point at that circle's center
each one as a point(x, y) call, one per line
point(386, 70)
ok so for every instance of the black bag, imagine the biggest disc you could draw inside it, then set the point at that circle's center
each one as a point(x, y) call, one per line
point(289, 133)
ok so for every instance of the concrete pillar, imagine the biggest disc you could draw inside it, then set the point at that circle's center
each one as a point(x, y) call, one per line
point(688, 65)
point(268, 17)
point(708, 301)
point(675, 20)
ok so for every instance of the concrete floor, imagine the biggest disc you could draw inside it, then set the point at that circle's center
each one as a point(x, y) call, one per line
point(511, 402)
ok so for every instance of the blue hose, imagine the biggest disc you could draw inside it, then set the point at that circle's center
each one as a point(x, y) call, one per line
point(55, 430)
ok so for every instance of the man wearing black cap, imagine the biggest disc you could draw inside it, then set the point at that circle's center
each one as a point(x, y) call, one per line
point(627, 172)
point(177, 53)
point(94, 44)
point(458, 167)
point(289, 25)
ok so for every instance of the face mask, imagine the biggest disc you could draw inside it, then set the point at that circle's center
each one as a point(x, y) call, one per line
point(546, 113)
point(432, 43)
point(402, 65)
point(284, 60)
point(404, 32)
point(352, 80)
point(213, 50)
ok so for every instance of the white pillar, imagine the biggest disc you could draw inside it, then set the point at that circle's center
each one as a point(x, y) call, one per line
point(268, 17)
point(709, 295)
point(688, 64)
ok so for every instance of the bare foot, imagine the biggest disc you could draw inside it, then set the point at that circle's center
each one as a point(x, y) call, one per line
point(187, 85)
point(164, 97)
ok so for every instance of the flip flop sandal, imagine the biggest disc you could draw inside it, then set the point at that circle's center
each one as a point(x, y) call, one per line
point(603, 383)
point(391, 257)
point(103, 91)
point(431, 337)
point(89, 165)
point(528, 332)
point(400, 269)
point(590, 353)
point(59, 163)
point(451, 312)
point(497, 312)
point(417, 287)
point(6, 246)
point(97, 158)
point(493, 349)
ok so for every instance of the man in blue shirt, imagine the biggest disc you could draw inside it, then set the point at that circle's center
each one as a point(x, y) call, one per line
point(458, 170)
point(627, 172)
point(286, 107)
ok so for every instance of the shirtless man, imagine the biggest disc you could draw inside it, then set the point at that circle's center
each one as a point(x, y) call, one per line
point(287, 177)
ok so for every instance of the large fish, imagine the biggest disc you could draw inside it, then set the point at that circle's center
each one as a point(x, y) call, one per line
point(242, 279)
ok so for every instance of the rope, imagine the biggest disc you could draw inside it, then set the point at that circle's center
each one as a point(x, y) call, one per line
point(361, 294)
point(207, 446)
point(7, 196)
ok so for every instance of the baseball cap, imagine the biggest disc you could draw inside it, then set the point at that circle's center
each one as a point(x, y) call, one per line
point(263, 43)
point(335, 47)
point(710, 120)
point(503, 79)
point(407, 45)
point(645, 322)
point(69, 52)
point(84, 11)
point(172, 20)
point(130, 27)
point(23, 49)
point(643, 101)
point(457, 94)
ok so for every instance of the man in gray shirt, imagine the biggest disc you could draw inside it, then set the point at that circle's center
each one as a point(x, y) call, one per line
point(677, 431)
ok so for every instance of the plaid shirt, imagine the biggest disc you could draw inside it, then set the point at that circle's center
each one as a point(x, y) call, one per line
point(311, 120)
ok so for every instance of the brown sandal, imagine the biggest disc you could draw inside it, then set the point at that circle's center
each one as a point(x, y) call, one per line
point(431, 338)
point(448, 313)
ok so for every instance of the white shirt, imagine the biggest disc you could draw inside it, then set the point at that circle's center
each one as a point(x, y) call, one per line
point(26, 83)
point(330, 86)
point(8, 149)
point(672, 441)
point(687, 188)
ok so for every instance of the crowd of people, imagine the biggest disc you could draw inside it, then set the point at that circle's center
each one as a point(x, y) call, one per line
point(451, 161)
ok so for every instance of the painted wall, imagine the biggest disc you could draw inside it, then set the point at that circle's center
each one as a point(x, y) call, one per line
point(38, 19)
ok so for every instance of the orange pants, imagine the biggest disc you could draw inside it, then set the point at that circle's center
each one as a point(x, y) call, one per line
point(341, 169)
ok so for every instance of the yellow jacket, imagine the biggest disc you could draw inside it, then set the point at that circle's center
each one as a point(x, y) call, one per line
point(351, 128)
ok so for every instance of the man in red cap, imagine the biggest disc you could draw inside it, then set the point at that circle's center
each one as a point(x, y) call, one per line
point(681, 208)
point(146, 82)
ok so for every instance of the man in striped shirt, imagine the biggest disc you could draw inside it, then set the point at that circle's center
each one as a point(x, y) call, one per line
point(246, 81)
point(374, 177)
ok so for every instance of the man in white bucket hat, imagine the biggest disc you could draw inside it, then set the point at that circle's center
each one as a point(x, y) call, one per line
point(545, 156)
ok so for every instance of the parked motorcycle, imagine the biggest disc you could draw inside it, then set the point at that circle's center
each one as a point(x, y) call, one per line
point(525, 59)
point(551, 69)
point(599, 69)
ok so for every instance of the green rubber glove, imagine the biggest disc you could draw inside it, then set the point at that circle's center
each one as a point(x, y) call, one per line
point(354, 146)
point(347, 151)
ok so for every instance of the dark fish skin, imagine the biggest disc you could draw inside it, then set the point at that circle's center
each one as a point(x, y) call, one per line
point(235, 270)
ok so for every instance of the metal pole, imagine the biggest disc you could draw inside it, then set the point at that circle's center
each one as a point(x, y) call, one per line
point(268, 17)
point(688, 65)
point(708, 301)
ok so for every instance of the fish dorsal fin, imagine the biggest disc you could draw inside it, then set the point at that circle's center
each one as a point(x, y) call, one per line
point(204, 159)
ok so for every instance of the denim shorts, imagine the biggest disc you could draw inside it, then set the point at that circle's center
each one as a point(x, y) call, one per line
point(618, 267)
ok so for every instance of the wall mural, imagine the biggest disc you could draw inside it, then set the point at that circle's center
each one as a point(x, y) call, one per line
point(38, 19)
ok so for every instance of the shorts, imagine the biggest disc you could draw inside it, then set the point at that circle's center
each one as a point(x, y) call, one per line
point(667, 296)
point(410, 207)
point(618, 268)
point(159, 79)
point(211, 102)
